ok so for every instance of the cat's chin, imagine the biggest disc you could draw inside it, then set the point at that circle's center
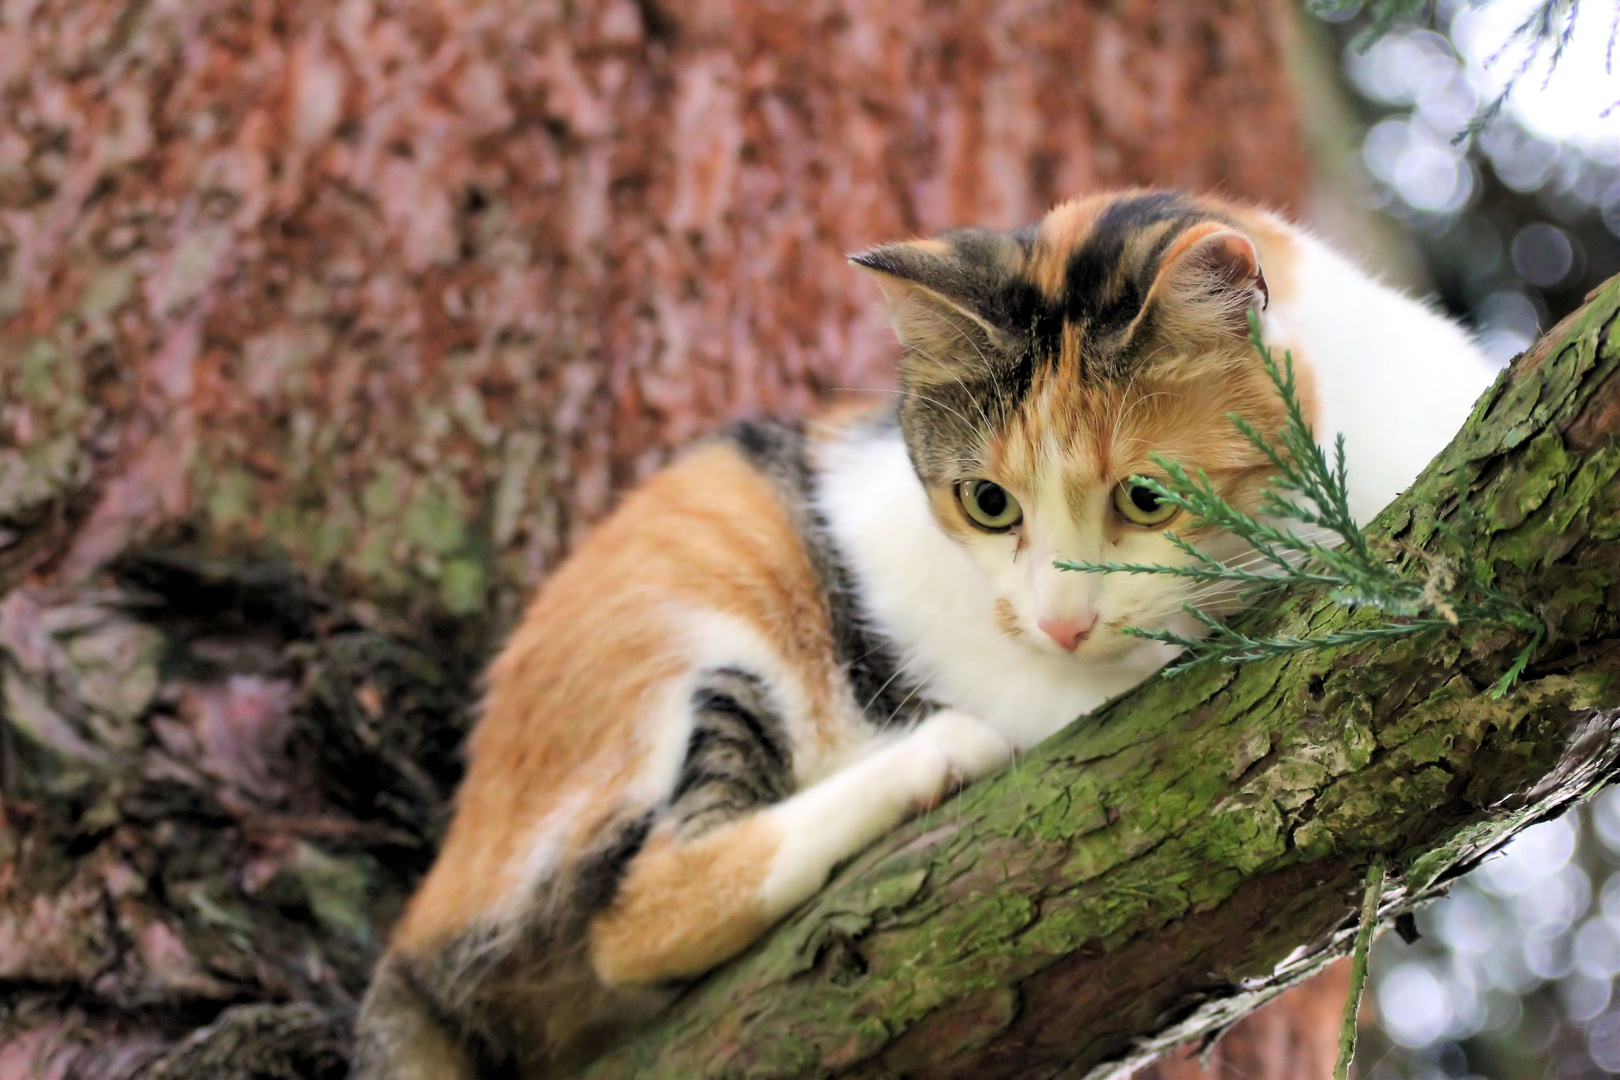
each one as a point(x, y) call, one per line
point(1115, 651)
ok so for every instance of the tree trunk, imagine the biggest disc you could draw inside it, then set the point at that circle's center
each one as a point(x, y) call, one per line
point(1162, 867)
point(326, 328)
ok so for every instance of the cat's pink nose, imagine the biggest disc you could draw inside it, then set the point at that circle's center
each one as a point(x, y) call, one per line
point(1069, 632)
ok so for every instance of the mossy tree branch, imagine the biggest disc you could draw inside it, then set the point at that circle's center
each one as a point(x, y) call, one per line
point(1172, 862)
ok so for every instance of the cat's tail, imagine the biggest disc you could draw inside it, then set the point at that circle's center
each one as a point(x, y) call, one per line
point(398, 1034)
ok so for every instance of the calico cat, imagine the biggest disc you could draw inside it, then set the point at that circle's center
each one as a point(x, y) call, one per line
point(793, 638)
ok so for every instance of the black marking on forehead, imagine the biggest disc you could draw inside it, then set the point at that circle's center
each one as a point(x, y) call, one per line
point(973, 387)
point(1008, 300)
point(976, 382)
point(1001, 297)
point(1031, 325)
point(1098, 289)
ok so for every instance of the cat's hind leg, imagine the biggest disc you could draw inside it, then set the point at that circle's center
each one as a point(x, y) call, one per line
point(398, 1035)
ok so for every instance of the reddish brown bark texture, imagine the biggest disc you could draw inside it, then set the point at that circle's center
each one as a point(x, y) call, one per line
point(317, 266)
point(399, 295)
point(1296, 1035)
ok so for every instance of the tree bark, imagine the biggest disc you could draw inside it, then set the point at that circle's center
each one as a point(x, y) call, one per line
point(1167, 864)
point(408, 293)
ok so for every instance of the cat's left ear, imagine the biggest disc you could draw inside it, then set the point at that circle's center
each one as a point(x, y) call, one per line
point(943, 297)
point(1208, 282)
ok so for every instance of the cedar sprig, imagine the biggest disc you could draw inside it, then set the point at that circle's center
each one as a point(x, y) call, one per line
point(1309, 490)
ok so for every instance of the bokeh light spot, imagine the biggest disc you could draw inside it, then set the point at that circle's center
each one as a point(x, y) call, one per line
point(1543, 254)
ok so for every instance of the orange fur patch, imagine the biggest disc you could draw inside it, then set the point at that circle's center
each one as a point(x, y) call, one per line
point(685, 906)
point(1279, 256)
point(1067, 225)
point(948, 512)
point(1107, 433)
point(1007, 618)
point(568, 697)
point(1188, 239)
point(1176, 404)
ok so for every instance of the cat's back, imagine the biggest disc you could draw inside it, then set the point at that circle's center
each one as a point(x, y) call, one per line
point(574, 731)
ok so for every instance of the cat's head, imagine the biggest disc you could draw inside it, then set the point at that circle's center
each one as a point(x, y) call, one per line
point(1041, 370)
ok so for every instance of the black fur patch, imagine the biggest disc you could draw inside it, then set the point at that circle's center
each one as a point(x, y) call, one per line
point(988, 373)
point(447, 984)
point(737, 757)
point(978, 275)
point(600, 872)
point(1106, 281)
point(868, 658)
point(1099, 290)
point(1002, 298)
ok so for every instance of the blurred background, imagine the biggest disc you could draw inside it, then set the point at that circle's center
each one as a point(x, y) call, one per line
point(1517, 222)
point(326, 326)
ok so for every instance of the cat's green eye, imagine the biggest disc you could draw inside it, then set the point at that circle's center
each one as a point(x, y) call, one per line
point(1139, 506)
point(989, 505)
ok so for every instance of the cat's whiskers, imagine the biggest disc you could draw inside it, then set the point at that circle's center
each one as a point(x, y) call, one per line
point(916, 688)
point(976, 463)
point(1253, 559)
point(964, 336)
point(1210, 603)
point(971, 396)
point(1204, 595)
point(989, 369)
point(907, 393)
point(599, 787)
point(1209, 595)
point(899, 670)
point(1119, 421)
point(1147, 362)
point(977, 404)
point(1252, 563)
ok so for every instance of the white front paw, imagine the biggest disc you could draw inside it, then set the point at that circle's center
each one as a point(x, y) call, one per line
point(955, 749)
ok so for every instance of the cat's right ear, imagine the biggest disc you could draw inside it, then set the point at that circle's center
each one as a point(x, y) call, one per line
point(937, 295)
point(1207, 284)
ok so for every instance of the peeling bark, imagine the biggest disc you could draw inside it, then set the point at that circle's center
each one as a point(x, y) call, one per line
point(218, 789)
point(1165, 866)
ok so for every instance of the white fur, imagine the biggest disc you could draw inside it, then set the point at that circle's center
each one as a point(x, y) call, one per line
point(709, 639)
point(1395, 377)
point(921, 588)
point(713, 639)
point(547, 844)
